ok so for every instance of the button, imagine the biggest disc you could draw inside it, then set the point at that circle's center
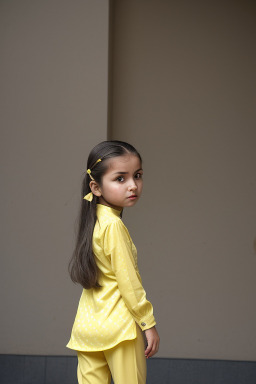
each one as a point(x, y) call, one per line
point(143, 324)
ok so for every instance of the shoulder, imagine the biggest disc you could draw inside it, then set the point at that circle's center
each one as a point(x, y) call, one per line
point(116, 238)
point(110, 226)
point(108, 221)
point(116, 224)
point(117, 230)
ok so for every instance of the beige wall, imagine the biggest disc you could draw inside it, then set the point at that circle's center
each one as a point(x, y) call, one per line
point(184, 94)
point(54, 67)
point(183, 77)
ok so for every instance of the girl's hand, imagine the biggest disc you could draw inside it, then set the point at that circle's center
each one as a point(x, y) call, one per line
point(153, 341)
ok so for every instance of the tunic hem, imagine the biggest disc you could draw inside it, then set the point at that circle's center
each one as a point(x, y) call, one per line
point(100, 349)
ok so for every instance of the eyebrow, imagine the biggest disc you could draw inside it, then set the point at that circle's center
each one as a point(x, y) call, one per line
point(125, 173)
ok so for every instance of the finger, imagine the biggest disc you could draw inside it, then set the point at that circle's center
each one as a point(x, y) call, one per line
point(148, 349)
point(153, 350)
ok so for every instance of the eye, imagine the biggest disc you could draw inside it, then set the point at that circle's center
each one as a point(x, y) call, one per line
point(138, 176)
point(120, 179)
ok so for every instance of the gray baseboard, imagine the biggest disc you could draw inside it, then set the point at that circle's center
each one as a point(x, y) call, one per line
point(22, 369)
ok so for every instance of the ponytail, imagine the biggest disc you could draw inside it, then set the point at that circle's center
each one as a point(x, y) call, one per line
point(82, 267)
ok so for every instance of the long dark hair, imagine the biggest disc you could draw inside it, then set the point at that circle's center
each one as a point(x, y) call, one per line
point(82, 267)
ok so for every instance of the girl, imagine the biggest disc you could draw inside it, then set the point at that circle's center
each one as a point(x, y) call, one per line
point(113, 311)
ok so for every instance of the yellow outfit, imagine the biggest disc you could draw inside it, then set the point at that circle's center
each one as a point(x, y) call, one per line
point(125, 362)
point(108, 315)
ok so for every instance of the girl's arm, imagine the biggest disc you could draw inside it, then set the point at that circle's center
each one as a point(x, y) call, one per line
point(118, 247)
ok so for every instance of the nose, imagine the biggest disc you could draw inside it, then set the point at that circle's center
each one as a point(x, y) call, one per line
point(132, 186)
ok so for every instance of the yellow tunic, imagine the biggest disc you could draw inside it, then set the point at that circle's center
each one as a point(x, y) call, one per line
point(108, 315)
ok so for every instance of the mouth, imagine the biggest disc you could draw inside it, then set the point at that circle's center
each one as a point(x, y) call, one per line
point(132, 197)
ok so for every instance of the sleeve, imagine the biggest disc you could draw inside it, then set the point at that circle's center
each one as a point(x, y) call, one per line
point(118, 247)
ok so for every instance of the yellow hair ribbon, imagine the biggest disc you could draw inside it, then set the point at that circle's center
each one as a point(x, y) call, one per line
point(89, 196)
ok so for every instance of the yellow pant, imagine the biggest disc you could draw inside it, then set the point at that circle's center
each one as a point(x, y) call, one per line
point(126, 363)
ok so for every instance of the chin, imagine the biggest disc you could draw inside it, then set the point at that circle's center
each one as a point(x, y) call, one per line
point(132, 203)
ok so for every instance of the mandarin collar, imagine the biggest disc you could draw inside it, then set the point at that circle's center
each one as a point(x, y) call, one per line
point(108, 210)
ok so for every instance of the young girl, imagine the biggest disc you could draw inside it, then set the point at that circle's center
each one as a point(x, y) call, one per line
point(113, 311)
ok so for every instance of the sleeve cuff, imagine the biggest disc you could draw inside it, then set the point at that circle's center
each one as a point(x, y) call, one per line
point(145, 324)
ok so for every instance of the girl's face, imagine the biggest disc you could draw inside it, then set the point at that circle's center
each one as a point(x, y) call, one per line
point(121, 185)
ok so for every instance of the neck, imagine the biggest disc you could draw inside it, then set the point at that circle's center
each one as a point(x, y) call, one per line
point(102, 201)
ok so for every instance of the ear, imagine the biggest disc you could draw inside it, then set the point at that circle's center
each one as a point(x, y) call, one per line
point(95, 188)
